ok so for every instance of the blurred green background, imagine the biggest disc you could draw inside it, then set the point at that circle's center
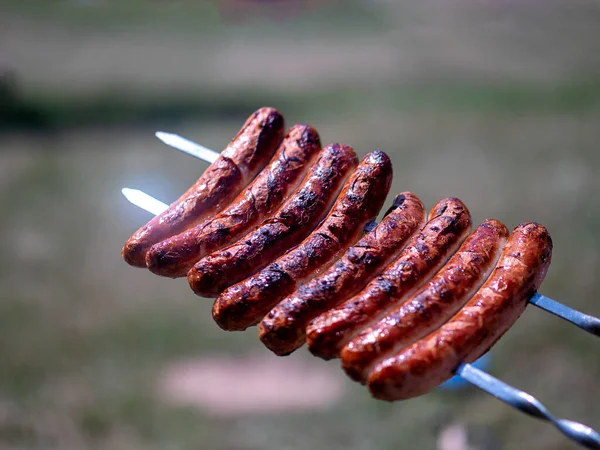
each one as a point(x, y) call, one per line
point(496, 102)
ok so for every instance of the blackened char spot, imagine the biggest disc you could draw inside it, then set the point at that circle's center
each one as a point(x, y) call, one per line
point(423, 249)
point(386, 286)
point(275, 278)
point(455, 225)
point(441, 210)
point(398, 202)
point(309, 138)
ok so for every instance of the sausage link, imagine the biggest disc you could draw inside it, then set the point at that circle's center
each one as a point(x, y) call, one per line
point(283, 329)
point(484, 319)
point(244, 304)
point(432, 306)
point(174, 256)
point(296, 218)
point(424, 255)
point(236, 166)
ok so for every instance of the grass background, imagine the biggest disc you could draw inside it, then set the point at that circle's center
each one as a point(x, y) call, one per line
point(497, 103)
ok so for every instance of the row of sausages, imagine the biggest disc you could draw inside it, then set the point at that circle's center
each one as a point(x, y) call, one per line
point(274, 229)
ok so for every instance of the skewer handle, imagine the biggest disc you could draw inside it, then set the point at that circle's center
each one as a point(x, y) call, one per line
point(586, 322)
point(527, 403)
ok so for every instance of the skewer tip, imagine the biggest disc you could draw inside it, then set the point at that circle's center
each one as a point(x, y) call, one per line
point(144, 201)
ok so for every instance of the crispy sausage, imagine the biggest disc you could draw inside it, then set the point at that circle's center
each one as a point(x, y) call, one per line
point(294, 220)
point(174, 256)
point(238, 164)
point(483, 320)
point(244, 304)
point(283, 329)
point(432, 306)
point(424, 255)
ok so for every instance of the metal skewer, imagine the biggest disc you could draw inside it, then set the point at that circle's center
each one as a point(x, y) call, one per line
point(528, 404)
point(520, 400)
point(187, 146)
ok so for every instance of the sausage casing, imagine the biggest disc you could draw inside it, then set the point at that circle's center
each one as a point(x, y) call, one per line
point(283, 329)
point(292, 222)
point(244, 304)
point(236, 166)
point(480, 323)
point(432, 305)
point(174, 256)
point(423, 256)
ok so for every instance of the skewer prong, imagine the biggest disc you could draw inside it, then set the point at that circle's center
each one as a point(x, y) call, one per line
point(586, 322)
point(144, 201)
point(187, 146)
point(528, 404)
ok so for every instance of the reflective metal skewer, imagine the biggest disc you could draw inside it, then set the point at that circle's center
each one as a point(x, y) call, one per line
point(528, 404)
point(520, 400)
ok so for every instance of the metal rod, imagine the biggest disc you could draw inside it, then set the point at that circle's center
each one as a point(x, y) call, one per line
point(528, 404)
point(144, 201)
point(586, 322)
point(187, 146)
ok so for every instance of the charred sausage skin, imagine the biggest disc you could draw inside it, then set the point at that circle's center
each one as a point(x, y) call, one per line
point(431, 306)
point(236, 166)
point(174, 256)
point(429, 362)
point(283, 330)
point(292, 222)
point(246, 303)
point(425, 254)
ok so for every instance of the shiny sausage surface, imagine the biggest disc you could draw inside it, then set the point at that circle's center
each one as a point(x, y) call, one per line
point(480, 323)
point(174, 256)
point(431, 306)
point(236, 166)
point(292, 222)
point(284, 329)
point(246, 303)
point(419, 261)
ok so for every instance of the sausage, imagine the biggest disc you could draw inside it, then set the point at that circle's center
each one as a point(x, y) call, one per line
point(173, 257)
point(238, 164)
point(424, 255)
point(483, 320)
point(283, 329)
point(432, 306)
point(294, 220)
point(244, 304)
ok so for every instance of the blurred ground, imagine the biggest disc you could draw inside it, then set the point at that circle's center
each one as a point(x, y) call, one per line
point(497, 103)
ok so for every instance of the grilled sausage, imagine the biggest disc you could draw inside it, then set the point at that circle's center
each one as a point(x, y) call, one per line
point(423, 256)
point(174, 256)
point(244, 304)
point(283, 329)
point(432, 306)
point(296, 218)
point(483, 320)
point(238, 164)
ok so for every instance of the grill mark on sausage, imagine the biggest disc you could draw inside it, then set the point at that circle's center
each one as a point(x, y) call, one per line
point(283, 330)
point(476, 327)
point(291, 223)
point(242, 159)
point(358, 203)
point(423, 256)
point(173, 257)
point(432, 305)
